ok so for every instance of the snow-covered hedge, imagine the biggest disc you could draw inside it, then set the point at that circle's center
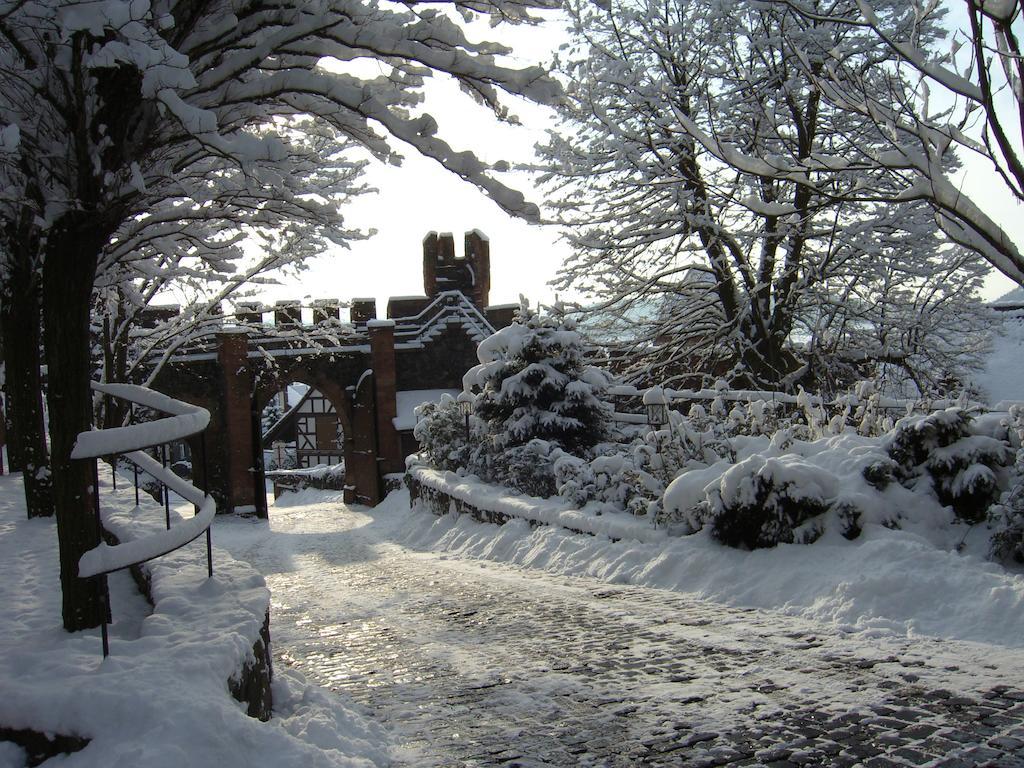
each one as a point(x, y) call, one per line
point(755, 475)
point(938, 469)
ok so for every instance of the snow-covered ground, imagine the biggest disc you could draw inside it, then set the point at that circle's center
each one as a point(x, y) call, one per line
point(887, 580)
point(161, 698)
point(461, 637)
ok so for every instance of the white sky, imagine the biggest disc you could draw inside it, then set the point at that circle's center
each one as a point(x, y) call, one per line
point(420, 197)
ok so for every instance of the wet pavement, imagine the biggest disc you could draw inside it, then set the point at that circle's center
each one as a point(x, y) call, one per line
point(475, 663)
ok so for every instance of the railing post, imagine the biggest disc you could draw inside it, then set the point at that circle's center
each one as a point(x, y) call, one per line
point(101, 580)
point(206, 494)
point(166, 490)
point(107, 406)
point(135, 468)
point(209, 554)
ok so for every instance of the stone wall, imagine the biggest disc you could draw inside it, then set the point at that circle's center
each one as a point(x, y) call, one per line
point(250, 684)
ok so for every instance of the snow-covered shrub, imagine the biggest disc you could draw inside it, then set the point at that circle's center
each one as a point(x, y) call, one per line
point(534, 384)
point(867, 414)
point(526, 468)
point(632, 476)
point(441, 432)
point(764, 501)
point(962, 465)
point(575, 479)
point(1006, 521)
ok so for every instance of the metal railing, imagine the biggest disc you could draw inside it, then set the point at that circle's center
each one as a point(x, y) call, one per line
point(447, 306)
point(678, 399)
point(130, 442)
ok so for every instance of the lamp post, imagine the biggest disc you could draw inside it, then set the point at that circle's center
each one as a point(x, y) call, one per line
point(465, 401)
point(656, 403)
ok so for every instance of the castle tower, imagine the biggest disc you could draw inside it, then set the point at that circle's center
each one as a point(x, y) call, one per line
point(470, 274)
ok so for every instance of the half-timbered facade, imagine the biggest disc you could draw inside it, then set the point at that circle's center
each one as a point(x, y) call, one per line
point(318, 433)
point(314, 430)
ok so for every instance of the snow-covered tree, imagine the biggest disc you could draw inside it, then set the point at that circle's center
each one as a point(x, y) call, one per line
point(912, 320)
point(673, 175)
point(535, 384)
point(963, 98)
point(109, 107)
point(191, 250)
point(20, 297)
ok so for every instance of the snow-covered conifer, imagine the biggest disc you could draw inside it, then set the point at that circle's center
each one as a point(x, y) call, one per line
point(536, 385)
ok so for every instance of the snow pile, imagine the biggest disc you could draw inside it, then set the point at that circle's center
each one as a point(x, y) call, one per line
point(495, 498)
point(895, 581)
point(161, 698)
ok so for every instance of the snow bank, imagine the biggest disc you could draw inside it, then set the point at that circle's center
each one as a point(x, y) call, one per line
point(555, 511)
point(161, 698)
point(887, 580)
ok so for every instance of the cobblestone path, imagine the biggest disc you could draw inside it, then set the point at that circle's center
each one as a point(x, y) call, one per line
point(480, 664)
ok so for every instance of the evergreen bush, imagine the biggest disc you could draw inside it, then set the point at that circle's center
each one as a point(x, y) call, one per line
point(761, 502)
point(961, 465)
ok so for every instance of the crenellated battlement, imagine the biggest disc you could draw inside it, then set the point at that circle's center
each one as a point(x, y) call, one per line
point(444, 271)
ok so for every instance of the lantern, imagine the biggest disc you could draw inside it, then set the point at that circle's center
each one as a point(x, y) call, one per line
point(656, 403)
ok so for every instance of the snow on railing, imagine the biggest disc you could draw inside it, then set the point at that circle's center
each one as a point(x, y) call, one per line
point(185, 421)
point(107, 558)
point(786, 398)
point(446, 306)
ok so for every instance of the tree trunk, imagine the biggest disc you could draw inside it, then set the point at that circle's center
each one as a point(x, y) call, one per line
point(72, 249)
point(20, 319)
point(15, 461)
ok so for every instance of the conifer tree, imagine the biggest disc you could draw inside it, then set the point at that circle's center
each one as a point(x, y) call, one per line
point(536, 385)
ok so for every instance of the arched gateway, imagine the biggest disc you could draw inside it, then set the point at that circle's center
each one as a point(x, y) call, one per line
point(371, 370)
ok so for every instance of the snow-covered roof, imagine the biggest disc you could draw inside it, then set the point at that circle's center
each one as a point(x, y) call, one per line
point(1016, 296)
point(1002, 374)
point(407, 402)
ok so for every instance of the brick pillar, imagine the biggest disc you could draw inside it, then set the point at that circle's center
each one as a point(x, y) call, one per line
point(382, 354)
point(362, 480)
point(478, 255)
point(236, 413)
point(430, 264)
